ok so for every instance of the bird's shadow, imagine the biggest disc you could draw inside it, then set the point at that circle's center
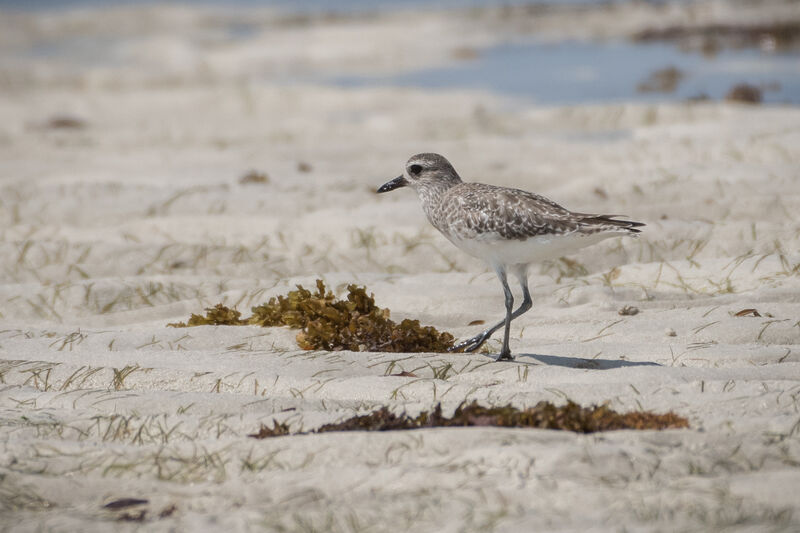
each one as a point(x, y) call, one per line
point(579, 362)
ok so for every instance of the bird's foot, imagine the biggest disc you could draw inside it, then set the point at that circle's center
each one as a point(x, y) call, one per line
point(472, 344)
point(505, 356)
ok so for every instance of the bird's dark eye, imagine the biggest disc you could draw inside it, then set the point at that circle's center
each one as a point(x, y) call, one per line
point(415, 169)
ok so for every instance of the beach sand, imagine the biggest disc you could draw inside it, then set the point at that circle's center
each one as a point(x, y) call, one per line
point(122, 210)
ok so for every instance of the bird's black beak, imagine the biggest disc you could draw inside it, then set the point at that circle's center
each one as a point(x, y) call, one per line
point(399, 181)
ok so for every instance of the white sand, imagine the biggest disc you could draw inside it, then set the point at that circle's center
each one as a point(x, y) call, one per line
point(111, 231)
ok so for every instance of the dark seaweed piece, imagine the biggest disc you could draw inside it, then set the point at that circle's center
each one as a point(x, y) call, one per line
point(123, 503)
point(168, 511)
point(66, 122)
point(544, 415)
point(254, 176)
point(277, 430)
point(219, 315)
point(743, 92)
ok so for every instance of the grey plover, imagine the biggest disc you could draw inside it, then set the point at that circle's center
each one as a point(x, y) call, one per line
point(508, 228)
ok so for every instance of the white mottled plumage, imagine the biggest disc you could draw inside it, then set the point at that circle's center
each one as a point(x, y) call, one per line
point(508, 228)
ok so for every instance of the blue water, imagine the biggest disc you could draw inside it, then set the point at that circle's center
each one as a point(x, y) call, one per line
point(547, 73)
point(574, 72)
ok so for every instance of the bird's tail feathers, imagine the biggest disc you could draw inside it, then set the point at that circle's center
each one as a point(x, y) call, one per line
point(598, 221)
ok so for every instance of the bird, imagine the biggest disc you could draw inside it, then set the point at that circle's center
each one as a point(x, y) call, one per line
point(507, 228)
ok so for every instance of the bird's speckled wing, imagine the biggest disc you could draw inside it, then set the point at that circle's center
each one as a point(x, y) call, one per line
point(480, 211)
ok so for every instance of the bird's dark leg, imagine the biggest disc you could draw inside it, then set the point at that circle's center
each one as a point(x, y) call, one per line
point(472, 344)
point(505, 353)
point(521, 272)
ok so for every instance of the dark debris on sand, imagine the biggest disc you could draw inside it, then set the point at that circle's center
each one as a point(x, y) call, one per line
point(327, 323)
point(544, 415)
point(745, 93)
point(710, 38)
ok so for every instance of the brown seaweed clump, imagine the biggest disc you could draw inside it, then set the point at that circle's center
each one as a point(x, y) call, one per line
point(746, 93)
point(544, 415)
point(326, 323)
point(219, 315)
point(355, 324)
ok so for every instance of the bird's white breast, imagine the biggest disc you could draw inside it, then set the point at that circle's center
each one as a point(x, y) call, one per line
point(540, 248)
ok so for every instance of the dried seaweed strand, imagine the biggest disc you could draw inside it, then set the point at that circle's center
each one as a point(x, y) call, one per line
point(544, 415)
